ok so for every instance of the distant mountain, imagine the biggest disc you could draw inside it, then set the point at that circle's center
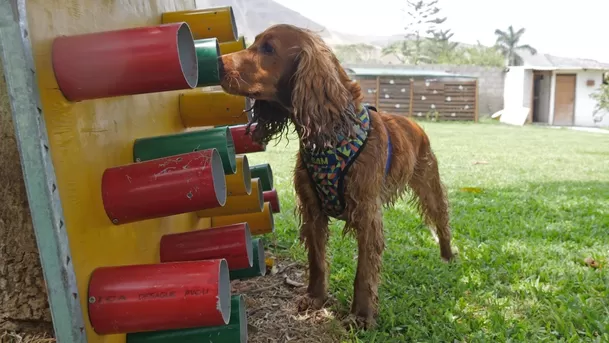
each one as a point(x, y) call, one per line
point(254, 16)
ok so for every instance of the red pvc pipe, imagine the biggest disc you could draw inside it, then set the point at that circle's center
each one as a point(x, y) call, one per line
point(272, 198)
point(243, 142)
point(125, 62)
point(231, 242)
point(152, 297)
point(164, 187)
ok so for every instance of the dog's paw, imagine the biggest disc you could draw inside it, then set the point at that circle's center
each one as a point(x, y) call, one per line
point(359, 322)
point(452, 256)
point(308, 302)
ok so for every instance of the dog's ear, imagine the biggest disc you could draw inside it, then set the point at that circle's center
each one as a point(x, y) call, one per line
point(320, 99)
point(270, 118)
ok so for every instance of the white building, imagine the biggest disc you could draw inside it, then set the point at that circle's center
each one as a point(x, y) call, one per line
point(555, 90)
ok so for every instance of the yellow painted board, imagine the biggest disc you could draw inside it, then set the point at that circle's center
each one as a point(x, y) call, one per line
point(89, 136)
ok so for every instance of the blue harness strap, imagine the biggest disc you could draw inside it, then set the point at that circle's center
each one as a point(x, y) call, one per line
point(389, 145)
point(327, 168)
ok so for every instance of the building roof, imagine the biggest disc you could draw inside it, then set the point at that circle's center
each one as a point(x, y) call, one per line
point(550, 62)
point(379, 71)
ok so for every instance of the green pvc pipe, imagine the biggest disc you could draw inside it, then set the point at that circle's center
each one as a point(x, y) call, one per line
point(208, 51)
point(265, 174)
point(150, 148)
point(234, 332)
point(258, 268)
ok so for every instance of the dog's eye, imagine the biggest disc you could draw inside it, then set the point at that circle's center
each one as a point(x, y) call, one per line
point(266, 48)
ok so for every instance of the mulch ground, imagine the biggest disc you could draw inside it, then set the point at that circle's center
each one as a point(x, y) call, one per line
point(271, 303)
point(12, 337)
point(272, 309)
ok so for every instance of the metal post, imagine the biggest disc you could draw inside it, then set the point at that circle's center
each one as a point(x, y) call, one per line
point(39, 173)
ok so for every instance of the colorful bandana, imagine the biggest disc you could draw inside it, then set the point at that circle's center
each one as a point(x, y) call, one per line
point(328, 168)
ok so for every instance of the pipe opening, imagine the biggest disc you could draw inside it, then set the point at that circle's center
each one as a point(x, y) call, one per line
point(247, 175)
point(224, 291)
point(270, 175)
point(218, 178)
point(230, 148)
point(187, 55)
point(272, 219)
point(233, 23)
point(261, 258)
point(242, 321)
point(249, 103)
point(260, 194)
point(218, 54)
point(217, 63)
point(248, 245)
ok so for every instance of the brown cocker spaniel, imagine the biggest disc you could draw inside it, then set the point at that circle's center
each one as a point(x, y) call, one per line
point(352, 161)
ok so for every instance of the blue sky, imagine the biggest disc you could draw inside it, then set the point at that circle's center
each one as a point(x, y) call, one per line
point(565, 28)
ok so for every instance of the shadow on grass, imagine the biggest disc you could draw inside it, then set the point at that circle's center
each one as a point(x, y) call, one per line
point(520, 275)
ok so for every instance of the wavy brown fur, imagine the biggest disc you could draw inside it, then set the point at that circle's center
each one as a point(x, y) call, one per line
point(295, 78)
point(271, 119)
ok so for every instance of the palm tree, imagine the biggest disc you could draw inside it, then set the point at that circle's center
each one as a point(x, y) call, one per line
point(508, 43)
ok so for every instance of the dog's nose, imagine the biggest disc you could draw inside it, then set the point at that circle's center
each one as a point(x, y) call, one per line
point(221, 69)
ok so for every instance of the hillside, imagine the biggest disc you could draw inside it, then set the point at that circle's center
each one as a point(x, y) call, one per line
point(254, 16)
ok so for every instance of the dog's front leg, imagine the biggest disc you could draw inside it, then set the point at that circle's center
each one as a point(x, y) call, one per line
point(314, 234)
point(370, 242)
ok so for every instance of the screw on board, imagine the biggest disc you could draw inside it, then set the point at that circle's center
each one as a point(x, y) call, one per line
point(115, 221)
point(91, 300)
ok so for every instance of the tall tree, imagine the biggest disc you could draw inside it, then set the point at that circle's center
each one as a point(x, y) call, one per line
point(355, 53)
point(400, 50)
point(479, 55)
point(423, 21)
point(508, 42)
point(440, 47)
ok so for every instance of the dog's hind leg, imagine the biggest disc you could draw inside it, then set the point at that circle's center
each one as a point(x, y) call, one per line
point(370, 242)
point(432, 200)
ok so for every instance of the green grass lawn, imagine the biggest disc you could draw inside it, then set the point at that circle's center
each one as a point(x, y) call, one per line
point(520, 276)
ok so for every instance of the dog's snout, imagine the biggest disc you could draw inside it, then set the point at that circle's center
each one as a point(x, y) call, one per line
point(221, 68)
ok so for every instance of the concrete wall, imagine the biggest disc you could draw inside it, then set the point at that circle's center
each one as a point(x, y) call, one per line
point(490, 82)
point(527, 89)
point(513, 91)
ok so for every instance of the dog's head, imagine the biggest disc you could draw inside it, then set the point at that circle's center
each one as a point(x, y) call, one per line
point(293, 75)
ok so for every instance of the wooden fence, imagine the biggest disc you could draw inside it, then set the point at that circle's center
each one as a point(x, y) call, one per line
point(431, 98)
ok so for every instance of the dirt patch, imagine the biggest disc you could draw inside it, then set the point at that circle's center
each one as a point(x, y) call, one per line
point(272, 309)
